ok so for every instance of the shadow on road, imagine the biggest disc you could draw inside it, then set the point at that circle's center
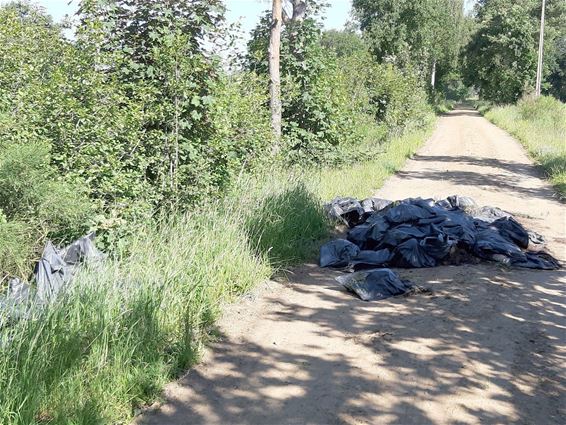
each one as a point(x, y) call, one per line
point(497, 174)
point(487, 337)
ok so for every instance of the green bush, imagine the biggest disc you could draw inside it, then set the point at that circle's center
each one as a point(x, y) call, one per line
point(242, 133)
point(16, 248)
point(501, 54)
point(547, 110)
point(336, 109)
point(317, 127)
point(398, 98)
point(392, 97)
point(36, 205)
point(31, 190)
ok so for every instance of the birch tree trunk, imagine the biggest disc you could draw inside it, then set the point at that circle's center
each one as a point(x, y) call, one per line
point(274, 73)
point(433, 74)
point(540, 52)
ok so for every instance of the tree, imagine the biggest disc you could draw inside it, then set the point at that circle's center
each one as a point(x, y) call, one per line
point(501, 56)
point(425, 35)
point(540, 50)
point(554, 64)
point(557, 71)
point(159, 53)
point(343, 43)
point(312, 126)
point(274, 72)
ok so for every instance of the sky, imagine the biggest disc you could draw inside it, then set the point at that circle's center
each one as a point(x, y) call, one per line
point(246, 12)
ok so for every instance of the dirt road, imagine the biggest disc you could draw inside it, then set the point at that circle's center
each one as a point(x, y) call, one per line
point(488, 346)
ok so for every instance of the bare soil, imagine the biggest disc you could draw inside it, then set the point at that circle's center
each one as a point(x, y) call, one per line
point(487, 346)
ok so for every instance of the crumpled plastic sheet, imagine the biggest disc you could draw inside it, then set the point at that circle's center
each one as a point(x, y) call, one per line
point(56, 267)
point(347, 210)
point(375, 284)
point(417, 232)
point(53, 271)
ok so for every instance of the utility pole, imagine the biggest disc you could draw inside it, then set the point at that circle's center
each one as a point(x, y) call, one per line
point(275, 74)
point(540, 49)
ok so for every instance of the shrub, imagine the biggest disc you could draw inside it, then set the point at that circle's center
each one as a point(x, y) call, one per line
point(36, 204)
point(242, 134)
point(16, 248)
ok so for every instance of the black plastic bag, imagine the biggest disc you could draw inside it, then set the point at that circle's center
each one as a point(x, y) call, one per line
point(80, 250)
point(535, 238)
point(425, 233)
point(56, 267)
point(401, 233)
point(15, 302)
point(460, 227)
point(438, 247)
point(378, 227)
point(338, 253)
point(375, 204)
point(347, 210)
point(406, 212)
point(490, 214)
point(367, 258)
point(412, 254)
point(490, 245)
point(536, 260)
point(461, 202)
point(511, 230)
point(359, 234)
point(51, 273)
point(376, 284)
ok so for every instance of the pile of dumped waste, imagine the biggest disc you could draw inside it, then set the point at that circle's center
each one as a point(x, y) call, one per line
point(417, 232)
point(52, 273)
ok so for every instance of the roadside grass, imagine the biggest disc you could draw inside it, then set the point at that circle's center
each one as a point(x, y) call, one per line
point(132, 323)
point(540, 125)
point(362, 179)
point(443, 106)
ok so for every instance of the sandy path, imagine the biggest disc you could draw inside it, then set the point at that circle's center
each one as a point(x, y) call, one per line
point(488, 346)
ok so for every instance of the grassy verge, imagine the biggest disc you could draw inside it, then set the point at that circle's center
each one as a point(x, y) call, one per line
point(128, 326)
point(364, 178)
point(540, 125)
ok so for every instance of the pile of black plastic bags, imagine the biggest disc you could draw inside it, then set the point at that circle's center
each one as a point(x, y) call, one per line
point(417, 232)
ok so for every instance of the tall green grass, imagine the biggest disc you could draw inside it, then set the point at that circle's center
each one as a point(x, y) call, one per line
point(132, 323)
point(362, 179)
point(127, 326)
point(540, 124)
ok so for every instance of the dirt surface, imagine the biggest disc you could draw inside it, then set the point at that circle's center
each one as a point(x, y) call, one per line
point(487, 346)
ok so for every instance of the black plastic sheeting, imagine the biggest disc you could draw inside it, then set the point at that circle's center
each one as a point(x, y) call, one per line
point(373, 285)
point(56, 267)
point(54, 270)
point(419, 232)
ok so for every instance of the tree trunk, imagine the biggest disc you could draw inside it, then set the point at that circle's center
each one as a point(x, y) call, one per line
point(433, 74)
point(274, 73)
point(540, 51)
